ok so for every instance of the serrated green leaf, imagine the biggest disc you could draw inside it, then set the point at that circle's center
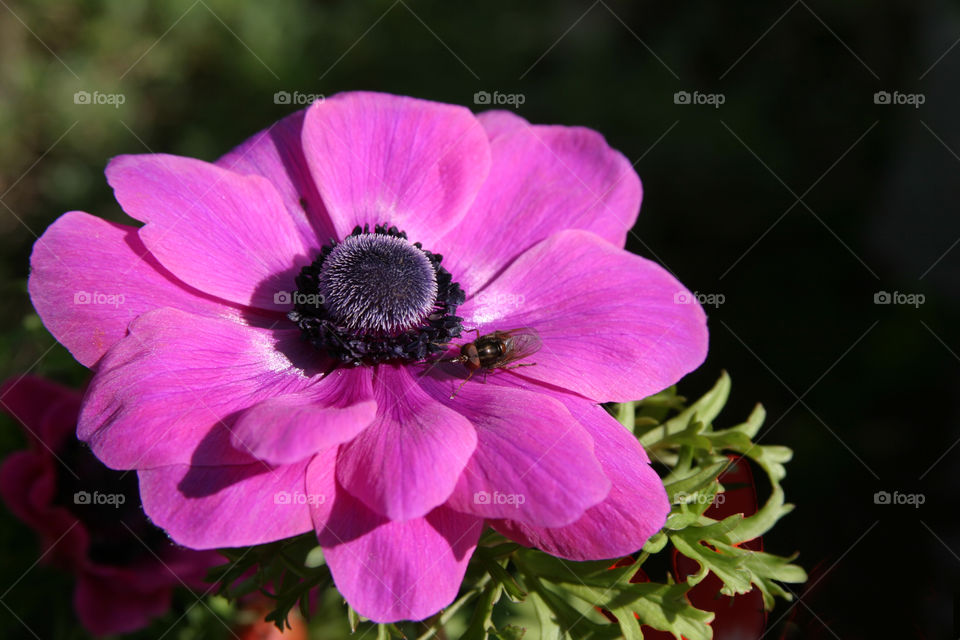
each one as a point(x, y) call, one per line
point(694, 480)
point(510, 632)
point(559, 571)
point(661, 606)
point(668, 609)
point(655, 409)
point(501, 575)
point(481, 620)
point(565, 618)
point(656, 543)
point(704, 410)
point(753, 422)
point(629, 624)
point(763, 520)
point(739, 569)
point(549, 627)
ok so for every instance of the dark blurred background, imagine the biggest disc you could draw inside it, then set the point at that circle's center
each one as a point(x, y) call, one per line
point(795, 204)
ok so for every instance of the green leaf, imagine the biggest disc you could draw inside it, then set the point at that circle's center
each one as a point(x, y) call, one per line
point(628, 622)
point(704, 410)
point(562, 617)
point(481, 620)
point(666, 608)
point(662, 606)
point(626, 414)
point(499, 573)
point(315, 558)
point(510, 632)
point(656, 543)
point(738, 568)
point(549, 626)
point(694, 480)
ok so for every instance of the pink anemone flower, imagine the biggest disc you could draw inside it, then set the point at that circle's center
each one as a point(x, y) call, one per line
point(88, 517)
point(269, 345)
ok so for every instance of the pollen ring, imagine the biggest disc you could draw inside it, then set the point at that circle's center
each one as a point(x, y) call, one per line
point(376, 297)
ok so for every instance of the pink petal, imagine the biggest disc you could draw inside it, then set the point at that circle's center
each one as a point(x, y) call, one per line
point(534, 462)
point(615, 326)
point(378, 158)
point(543, 179)
point(636, 508)
point(167, 393)
point(276, 153)
point(390, 570)
point(497, 122)
point(288, 428)
point(228, 506)
point(226, 234)
point(90, 278)
point(409, 460)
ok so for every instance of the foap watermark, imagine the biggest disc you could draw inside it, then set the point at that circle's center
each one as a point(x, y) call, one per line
point(485, 497)
point(113, 99)
point(499, 99)
point(97, 498)
point(499, 300)
point(712, 99)
point(297, 97)
point(287, 298)
point(897, 98)
point(912, 499)
point(704, 299)
point(111, 299)
point(682, 497)
point(896, 297)
point(298, 497)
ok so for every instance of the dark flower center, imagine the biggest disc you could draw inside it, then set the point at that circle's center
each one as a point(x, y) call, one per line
point(377, 297)
point(379, 283)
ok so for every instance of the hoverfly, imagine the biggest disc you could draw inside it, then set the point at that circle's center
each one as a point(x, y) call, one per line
point(497, 350)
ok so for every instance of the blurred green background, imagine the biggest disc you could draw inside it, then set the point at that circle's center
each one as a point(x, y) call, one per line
point(796, 200)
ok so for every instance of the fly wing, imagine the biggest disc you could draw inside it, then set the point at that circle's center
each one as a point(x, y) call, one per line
point(521, 343)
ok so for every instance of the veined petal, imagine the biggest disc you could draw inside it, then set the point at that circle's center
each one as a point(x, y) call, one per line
point(635, 509)
point(276, 153)
point(169, 391)
point(378, 158)
point(614, 326)
point(226, 506)
point(389, 570)
point(90, 278)
point(534, 462)
point(226, 234)
point(291, 427)
point(408, 461)
point(543, 179)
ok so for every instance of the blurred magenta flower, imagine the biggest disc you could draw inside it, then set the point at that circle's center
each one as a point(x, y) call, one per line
point(266, 345)
point(88, 517)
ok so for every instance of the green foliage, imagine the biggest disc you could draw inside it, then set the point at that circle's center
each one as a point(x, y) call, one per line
point(569, 599)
